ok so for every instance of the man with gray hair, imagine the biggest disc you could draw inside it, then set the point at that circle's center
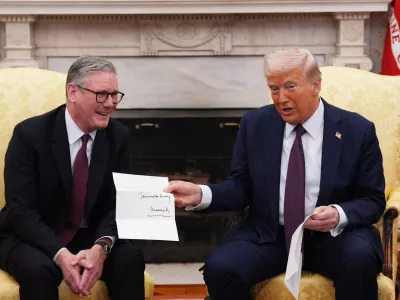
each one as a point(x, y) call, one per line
point(59, 218)
point(298, 157)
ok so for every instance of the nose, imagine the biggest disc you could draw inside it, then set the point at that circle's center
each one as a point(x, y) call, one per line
point(283, 99)
point(108, 102)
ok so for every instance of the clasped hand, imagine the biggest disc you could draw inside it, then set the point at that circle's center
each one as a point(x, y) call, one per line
point(324, 218)
point(90, 260)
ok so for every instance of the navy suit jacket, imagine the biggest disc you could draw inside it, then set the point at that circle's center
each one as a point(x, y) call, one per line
point(351, 175)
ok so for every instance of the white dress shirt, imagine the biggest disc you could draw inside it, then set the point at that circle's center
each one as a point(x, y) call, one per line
point(75, 143)
point(312, 146)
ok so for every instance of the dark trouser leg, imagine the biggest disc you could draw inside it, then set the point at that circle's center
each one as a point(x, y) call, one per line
point(123, 272)
point(236, 265)
point(37, 274)
point(351, 262)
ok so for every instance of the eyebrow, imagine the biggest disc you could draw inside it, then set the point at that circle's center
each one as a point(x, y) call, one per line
point(290, 81)
point(114, 91)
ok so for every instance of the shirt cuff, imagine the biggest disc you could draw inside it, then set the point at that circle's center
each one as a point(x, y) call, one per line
point(343, 221)
point(112, 238)
point(55, 256)
point(205, 199)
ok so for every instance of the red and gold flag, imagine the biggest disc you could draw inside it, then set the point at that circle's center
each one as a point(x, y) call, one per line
point(391, 51)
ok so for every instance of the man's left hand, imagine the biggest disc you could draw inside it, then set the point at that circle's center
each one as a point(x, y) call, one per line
point(324, 218)
point(93, 262)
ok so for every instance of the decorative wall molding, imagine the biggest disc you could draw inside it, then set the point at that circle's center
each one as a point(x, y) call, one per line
point(17, 19)
point(351, 15)
point(227, 17)
point(200, 35)
point(18, 47)
point(334, 31)
point(87, 18)
point(78, 7)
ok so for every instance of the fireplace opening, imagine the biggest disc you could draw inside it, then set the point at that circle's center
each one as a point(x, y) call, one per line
point(196, 149)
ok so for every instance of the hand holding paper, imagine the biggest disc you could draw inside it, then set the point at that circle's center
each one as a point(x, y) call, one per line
point(185, 193)
point(323, 219)
point(143, 211)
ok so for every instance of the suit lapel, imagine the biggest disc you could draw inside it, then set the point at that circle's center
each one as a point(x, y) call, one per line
point(97, 169)
point(60, 148)
point(331, 151)
point(272, 147)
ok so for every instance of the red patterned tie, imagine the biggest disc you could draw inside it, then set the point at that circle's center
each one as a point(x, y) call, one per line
point(79, 184)
point(295, 188)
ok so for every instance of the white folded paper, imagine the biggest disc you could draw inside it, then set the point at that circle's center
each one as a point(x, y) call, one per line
point(143, 211)
point(295, 260)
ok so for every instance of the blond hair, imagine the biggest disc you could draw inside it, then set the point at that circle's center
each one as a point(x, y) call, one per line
point(283, 61)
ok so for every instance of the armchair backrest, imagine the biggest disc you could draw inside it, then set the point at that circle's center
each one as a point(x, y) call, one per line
point(375, 97)
point(24, 93)
point(27, 92)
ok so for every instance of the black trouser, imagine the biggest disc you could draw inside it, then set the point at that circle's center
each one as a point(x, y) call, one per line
point(39, 277)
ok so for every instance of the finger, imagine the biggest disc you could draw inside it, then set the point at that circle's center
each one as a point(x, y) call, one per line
point(84, 279)
point(93, 278)
point(76, 278)
point(321, 215)
point(317, 210)
point(71, 286)
point(85, 293)
point(81, 254)
point(85, 264)
point(178, 202)
point(172, 186)
point(323, 226)
point(312, 224)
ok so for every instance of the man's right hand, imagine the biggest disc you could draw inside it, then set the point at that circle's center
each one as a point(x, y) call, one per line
point(185, 193)
point(70, 272)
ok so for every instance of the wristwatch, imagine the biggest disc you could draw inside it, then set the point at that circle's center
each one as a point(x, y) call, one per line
point(105, 246)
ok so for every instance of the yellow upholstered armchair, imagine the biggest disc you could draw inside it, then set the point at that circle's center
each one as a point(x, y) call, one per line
point(24, 93)
point(378, 99)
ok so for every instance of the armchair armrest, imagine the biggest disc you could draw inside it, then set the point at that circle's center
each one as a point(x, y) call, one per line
point(389, 236)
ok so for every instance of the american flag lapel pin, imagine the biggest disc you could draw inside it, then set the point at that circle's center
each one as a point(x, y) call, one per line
point(338, 135)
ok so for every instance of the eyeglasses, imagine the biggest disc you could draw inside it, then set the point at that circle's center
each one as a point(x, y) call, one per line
point(102, 96)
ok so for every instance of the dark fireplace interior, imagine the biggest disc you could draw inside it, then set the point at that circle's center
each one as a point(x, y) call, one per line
point(196, 149)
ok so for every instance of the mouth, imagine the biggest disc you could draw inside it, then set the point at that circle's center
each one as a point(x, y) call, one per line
point(104, 114)
point(287, 111)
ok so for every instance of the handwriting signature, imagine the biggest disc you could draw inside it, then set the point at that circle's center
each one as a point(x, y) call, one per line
point(159, 212)
point(154, 196)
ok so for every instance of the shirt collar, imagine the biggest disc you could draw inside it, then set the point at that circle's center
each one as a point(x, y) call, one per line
point(73, 131)
point(312, 125)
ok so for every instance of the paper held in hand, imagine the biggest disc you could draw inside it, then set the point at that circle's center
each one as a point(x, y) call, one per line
point(143, 210)
point(295, 261)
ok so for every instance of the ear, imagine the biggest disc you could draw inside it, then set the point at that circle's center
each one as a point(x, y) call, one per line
point(316, 87)
point(72, 89)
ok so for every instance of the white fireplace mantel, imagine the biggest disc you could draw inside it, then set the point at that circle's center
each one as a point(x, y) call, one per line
point(205, 53)
point(74, 7)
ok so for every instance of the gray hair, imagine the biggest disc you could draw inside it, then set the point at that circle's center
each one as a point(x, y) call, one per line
point(85, 65)
point(290, 59)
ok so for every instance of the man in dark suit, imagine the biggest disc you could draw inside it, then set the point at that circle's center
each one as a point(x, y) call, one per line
point(298, 157)
point(59, 218)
